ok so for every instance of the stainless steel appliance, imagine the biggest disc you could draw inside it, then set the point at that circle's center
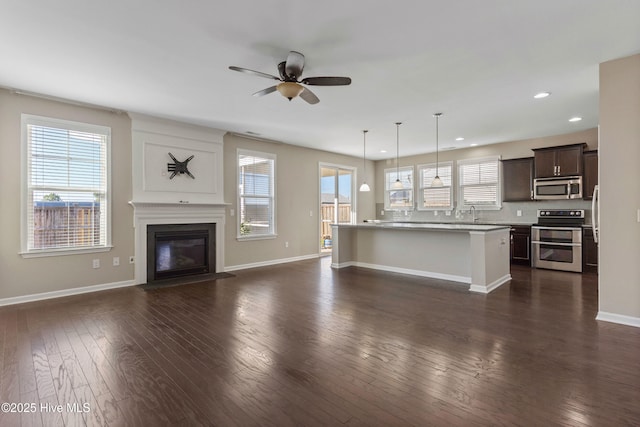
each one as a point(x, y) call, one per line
point(560, 188)
point(595, 213)
point(556, 240)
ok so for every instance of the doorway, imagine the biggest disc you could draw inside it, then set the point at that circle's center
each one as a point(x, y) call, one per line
point(336, 201)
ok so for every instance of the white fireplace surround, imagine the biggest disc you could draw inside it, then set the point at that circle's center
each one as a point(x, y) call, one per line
point(171, 213)
point(158, 199)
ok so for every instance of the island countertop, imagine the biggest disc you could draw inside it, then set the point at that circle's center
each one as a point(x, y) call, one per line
point(437, 226)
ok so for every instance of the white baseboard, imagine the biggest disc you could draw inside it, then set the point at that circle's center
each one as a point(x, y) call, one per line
point(618, 318)
point(343, 264)
point(421, 273)
point(270, 262)
point(491, 286)
point(65, 292)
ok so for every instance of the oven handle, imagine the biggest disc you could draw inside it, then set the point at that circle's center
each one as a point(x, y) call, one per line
point(542, 227)
point(538, 242)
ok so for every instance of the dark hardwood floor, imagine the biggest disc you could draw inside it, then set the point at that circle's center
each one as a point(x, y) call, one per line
point(301, 344)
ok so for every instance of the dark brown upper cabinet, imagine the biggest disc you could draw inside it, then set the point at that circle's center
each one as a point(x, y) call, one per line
point(590, 180)
point(517, 176)
point(558, 161)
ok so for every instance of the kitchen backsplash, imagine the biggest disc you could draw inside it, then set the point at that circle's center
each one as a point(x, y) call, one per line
point(508, 213)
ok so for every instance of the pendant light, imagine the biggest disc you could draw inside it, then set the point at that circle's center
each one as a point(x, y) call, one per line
point(364, 187)
point(437, 182)
point(398, 184)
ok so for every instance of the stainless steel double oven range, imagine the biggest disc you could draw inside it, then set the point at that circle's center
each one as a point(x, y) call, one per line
point(556, 240)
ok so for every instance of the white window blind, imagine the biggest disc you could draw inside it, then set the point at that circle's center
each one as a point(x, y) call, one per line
point(435, 197)
point(479, 183)
point(256, 173)
point(66, 184)
point(398, 199)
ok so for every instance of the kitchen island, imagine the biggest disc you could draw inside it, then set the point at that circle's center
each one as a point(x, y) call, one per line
point(473, 254)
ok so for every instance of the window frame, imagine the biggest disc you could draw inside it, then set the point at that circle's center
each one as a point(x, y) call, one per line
point(270, 156)
point(30, 119)
point(497, 205)
point(387, 190)
point(421, 188)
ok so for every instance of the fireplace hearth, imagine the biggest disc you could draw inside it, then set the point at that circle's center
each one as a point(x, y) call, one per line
point(180, 252)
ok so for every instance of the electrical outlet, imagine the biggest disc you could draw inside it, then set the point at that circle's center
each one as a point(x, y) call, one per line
point(435, 213)
point(132, 260)
point(96, 263)
point(232, 212)
point(381, 213)
point(310, 213)
point(447, 213)
point(519, 212)
point(286, 244)
point(116, 261)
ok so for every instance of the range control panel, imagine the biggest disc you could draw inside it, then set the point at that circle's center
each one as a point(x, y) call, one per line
point(561, 213)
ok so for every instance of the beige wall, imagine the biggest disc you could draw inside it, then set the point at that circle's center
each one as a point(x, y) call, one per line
point(19, 276)
point(297, 194)
point(619, 155)
point(508, 150)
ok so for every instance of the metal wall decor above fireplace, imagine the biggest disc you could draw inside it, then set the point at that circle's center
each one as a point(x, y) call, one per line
point(180, 251)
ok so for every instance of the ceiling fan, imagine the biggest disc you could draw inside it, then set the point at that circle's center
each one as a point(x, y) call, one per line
point(290, 86)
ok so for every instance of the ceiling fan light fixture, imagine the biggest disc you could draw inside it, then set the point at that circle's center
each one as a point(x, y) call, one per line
point(289, 89)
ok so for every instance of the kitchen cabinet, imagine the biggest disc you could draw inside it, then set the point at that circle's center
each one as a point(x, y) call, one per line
point(590, 171)
point(589, 251)
point(518, 180)
point(521, 244)
point(558, 161)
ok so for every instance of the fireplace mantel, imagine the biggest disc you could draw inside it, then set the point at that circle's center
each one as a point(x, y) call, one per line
point(146, 213)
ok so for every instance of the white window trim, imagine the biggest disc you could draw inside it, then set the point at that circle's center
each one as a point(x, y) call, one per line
point(494, 207)
point(67, 124)
point(420, 198)
point(274, 234)
point(387, 203)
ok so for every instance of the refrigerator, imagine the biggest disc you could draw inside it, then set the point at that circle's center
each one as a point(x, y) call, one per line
point(595, 214)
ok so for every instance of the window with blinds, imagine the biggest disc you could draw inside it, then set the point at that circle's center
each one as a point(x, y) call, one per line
point(256, 194)
point(398, 199)
point(435, 198)
point(67, 195)
point(479, 183)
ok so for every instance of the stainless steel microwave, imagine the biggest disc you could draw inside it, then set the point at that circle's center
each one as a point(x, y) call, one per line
point(559, 188)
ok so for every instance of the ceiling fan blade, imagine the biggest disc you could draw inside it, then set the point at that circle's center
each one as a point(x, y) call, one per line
point(255, 73)
point(309, 96)
point(294, 64)
point(327, 81)
point(266, 91)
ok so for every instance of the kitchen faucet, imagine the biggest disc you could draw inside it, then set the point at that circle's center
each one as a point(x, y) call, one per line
point(472, 211)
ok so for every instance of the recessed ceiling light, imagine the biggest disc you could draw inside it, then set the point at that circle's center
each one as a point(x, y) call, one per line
point(575, 119)
point(383, 151)
point(472, 145)
point(459, 138)
point(541, 95)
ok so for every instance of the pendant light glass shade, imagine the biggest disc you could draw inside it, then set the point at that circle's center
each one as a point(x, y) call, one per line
point(398, 184)
point(364, 187)
point(437, 182)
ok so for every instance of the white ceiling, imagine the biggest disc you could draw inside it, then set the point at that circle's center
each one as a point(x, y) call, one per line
point(480, 63)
